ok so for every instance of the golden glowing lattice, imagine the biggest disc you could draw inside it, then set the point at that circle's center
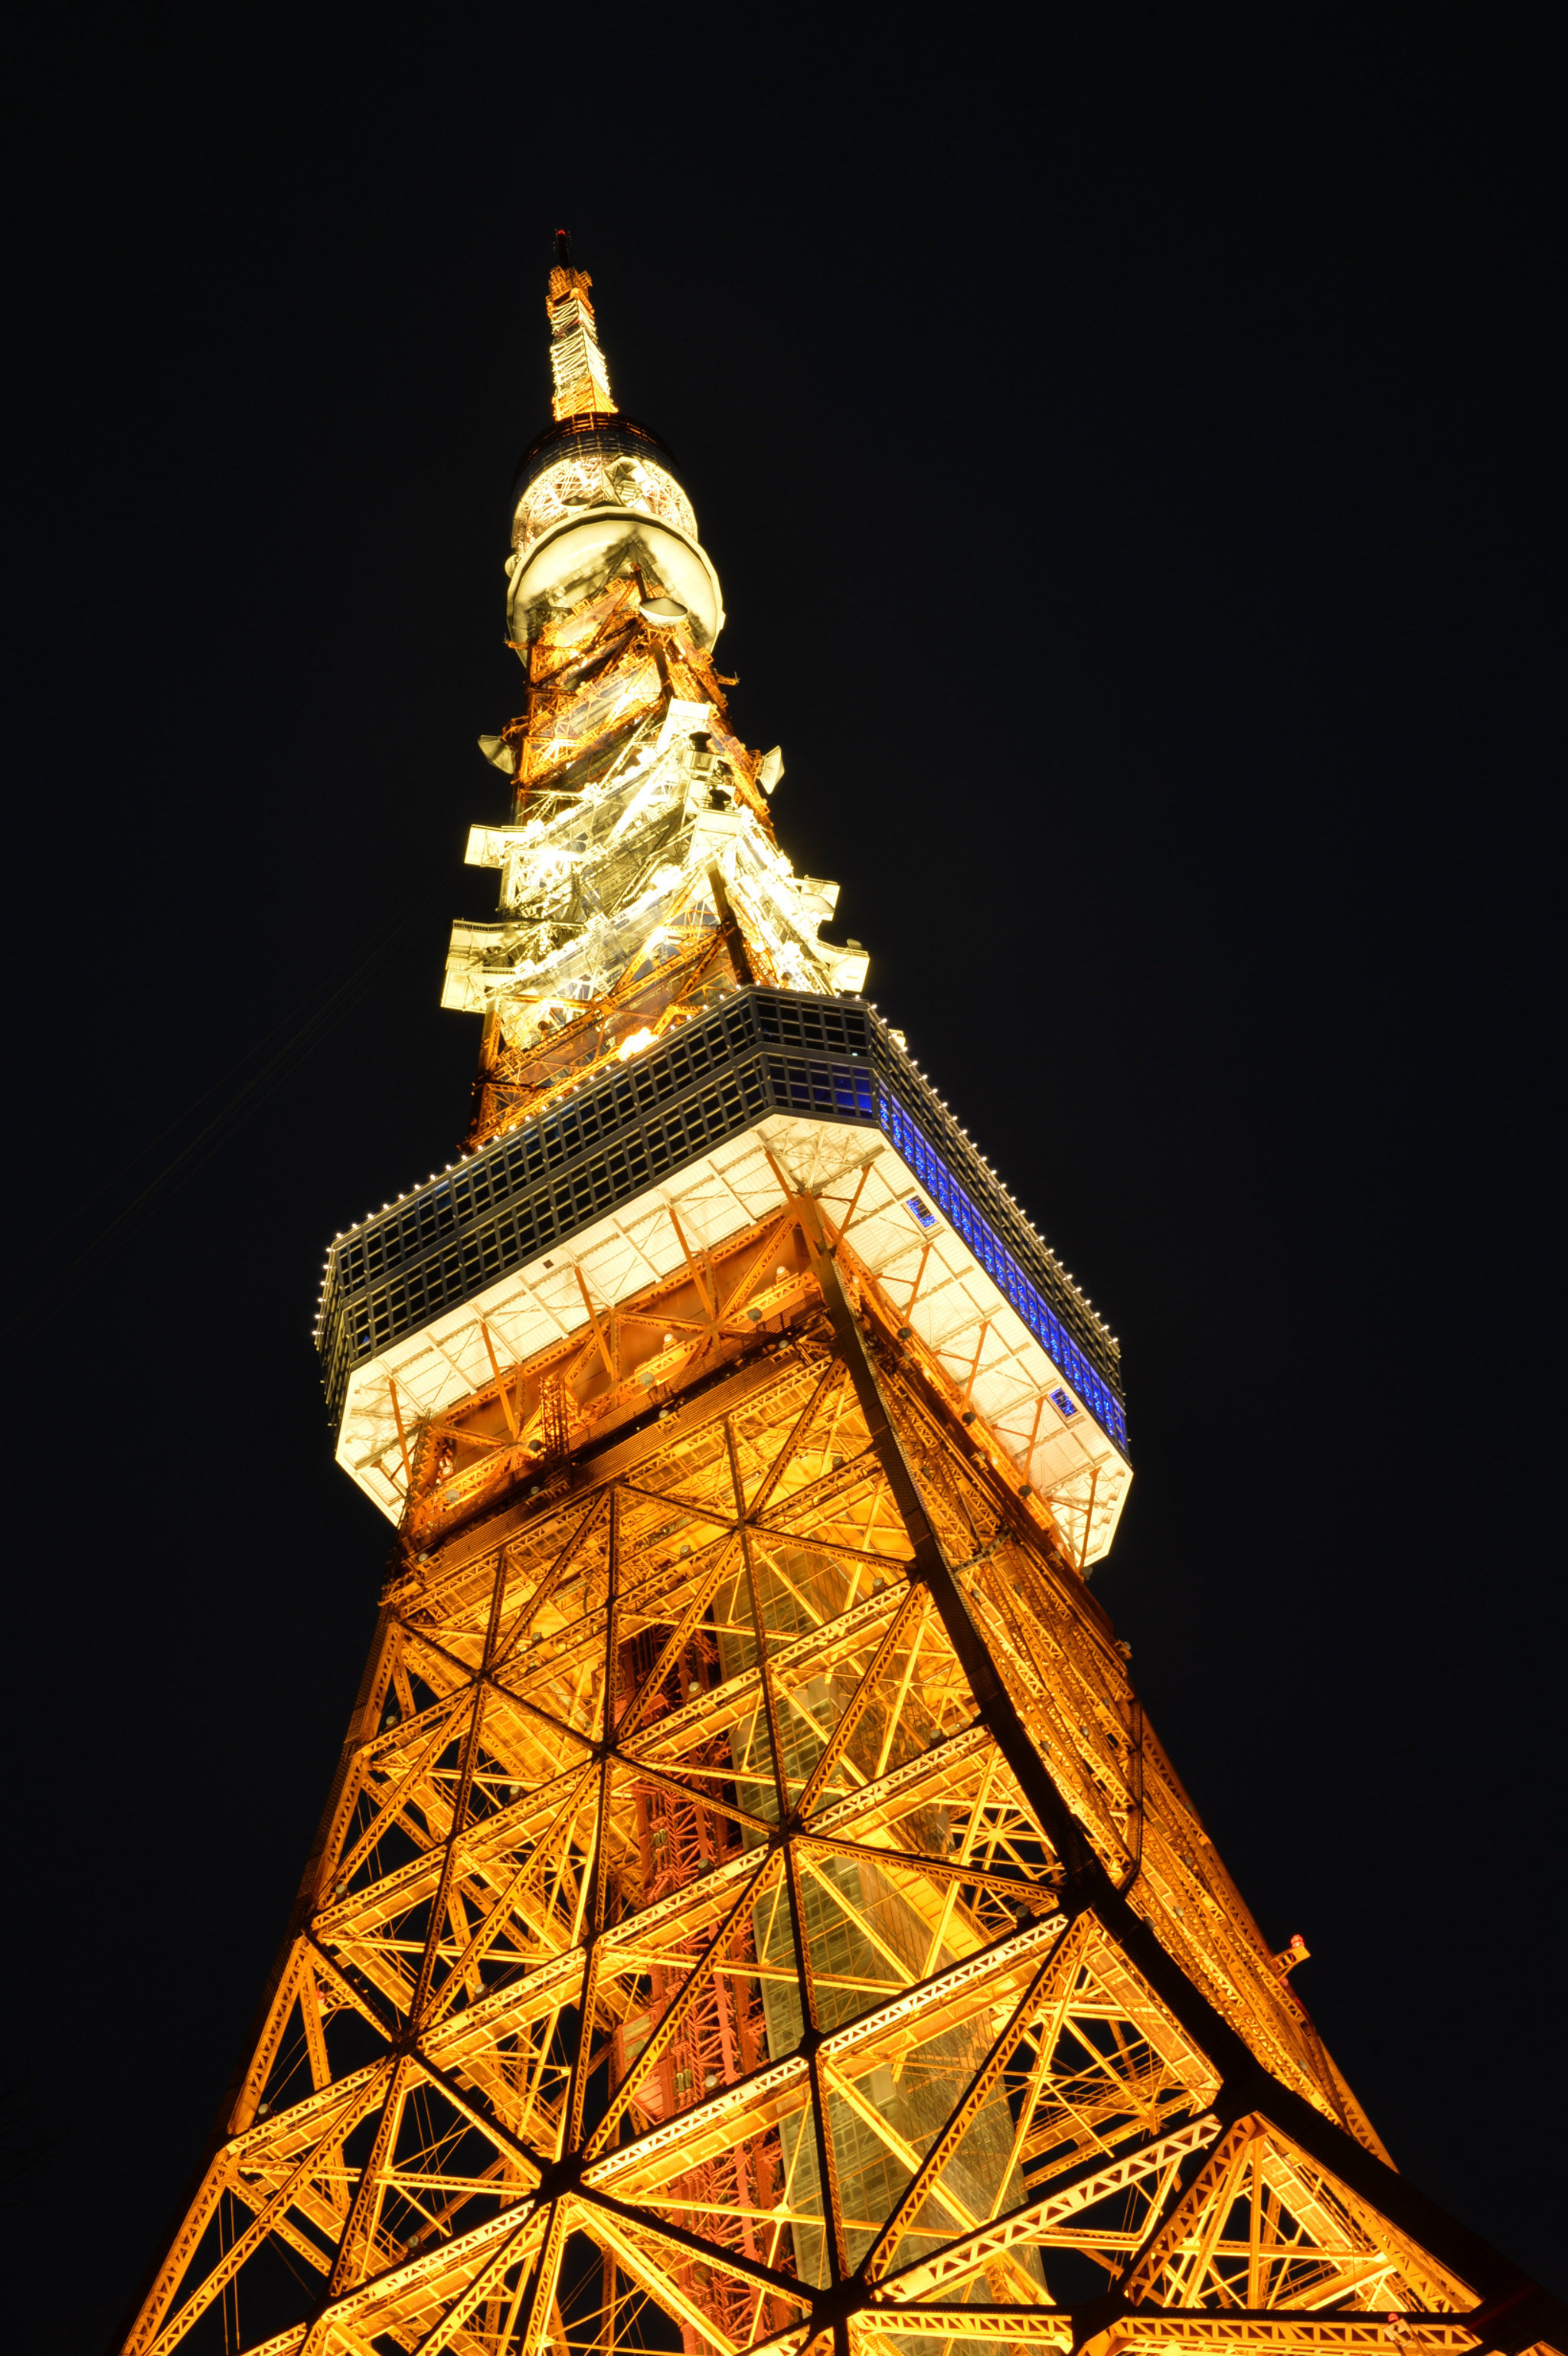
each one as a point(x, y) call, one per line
point(731, 1913)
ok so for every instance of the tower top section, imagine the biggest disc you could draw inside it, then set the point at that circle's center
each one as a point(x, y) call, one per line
point(594, 483)
point(577, 364)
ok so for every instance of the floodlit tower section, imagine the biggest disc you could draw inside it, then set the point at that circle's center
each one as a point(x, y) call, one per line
point(650, 929)
point(641, 878)
point(577, 364)
point(753, 1910)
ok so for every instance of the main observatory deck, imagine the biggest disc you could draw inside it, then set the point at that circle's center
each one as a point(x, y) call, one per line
point(505, 1253)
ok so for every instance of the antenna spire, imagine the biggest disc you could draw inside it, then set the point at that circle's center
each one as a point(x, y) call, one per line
point(577, 364)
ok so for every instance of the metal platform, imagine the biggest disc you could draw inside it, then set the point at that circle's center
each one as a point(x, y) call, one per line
point(659, 1128)
point(762, 1051)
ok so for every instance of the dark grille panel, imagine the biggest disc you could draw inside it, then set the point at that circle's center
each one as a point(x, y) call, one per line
point(761, 1051)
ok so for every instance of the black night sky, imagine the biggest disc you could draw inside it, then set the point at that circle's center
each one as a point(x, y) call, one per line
point(1123, 437)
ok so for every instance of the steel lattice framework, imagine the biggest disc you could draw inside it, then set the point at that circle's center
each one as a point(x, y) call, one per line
point(753, 1910)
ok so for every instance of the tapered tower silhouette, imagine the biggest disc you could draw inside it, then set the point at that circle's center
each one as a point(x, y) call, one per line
point(751, 1909)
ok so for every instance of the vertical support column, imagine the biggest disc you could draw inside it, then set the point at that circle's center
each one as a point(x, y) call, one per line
point(1247, 2084)
point(932, 1567)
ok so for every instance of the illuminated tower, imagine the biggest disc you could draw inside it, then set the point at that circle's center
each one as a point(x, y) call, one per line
point(752, 1908)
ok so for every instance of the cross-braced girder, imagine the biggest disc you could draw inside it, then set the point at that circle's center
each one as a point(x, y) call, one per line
point(747, 1916)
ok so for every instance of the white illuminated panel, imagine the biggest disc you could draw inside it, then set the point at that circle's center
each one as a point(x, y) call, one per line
point(1027, 1412)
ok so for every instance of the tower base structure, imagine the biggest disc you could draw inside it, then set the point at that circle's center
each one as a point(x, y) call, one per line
point(752, 1909)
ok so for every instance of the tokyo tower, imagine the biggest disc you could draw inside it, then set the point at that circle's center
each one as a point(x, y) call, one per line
point(752, 1910)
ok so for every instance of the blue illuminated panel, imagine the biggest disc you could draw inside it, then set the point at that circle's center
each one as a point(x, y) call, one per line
point(1003, 1270)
